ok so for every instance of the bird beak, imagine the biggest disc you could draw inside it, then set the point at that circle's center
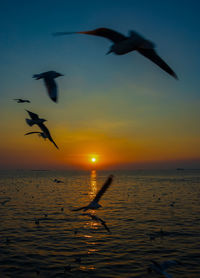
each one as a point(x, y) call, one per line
point(109, 52)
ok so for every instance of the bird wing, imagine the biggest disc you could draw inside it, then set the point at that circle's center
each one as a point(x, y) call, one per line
point(51, 88)
point(153, 56)
point(32, 132)
point(33, 115)
point(103, 189)
point(167, 264)
point(47, 133)
point(167, 275)
point(79, 208)
point(96, 218)
point(101, 32)
point(104, 224)
point(156, 264)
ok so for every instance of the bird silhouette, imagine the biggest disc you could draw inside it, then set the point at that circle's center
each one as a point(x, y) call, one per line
point(49, 82)
point(94, 204)
point(40, 122)
point(160, 268)
point(20, 100)
point(124, 44)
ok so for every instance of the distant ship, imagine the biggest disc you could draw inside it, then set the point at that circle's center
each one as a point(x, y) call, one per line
point(179, 169)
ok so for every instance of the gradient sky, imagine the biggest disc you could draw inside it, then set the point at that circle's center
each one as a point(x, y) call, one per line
point(123, 109)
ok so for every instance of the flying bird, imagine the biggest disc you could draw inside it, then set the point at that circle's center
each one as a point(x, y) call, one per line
point(40, 122)
point(94, 204)
point(98, 219)
point(159, 268)
point(20, 100)
point(49, 82)
point(124, 44)
point(58, 181)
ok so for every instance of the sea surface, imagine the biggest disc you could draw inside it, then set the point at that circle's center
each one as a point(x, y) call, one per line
point(152, 215)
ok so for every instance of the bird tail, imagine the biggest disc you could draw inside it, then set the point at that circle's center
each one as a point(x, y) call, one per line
point(55, 144)
point(29, 122)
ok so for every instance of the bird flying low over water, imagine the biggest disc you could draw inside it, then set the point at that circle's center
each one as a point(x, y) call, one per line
point(35, 120)
point(95, 202)
point(49, 82)
point(159, 268)
point(20, 100)
point(124, 44)
point(98, 219)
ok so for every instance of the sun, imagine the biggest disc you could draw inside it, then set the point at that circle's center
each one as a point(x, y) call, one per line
point(93, 159)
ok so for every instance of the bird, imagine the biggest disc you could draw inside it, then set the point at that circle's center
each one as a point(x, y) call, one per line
point(98, 219)
point(49, 82)
point(78, 260)
point(124, 44)
point(4, 202)
point(58, 181)
point(37, 221)
point(40, 122)
point(20, 100)
point(94, 204)
point(160, 268)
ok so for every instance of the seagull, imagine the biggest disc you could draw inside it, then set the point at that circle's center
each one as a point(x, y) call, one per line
point(19, 100)
point(58, 181)
point(49, 82)
point(124, 44)
point(94, 204)
point(98, 219)
point(40, 122)
point(160, 267)
point(5, 201)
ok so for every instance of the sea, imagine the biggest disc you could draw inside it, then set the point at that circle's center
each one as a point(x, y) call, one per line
point(150, 216)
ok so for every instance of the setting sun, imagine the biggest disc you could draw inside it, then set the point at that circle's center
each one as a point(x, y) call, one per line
point(93, 159)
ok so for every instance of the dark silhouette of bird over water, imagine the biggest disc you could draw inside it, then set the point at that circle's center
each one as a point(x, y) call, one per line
point(20, 100)
point(94, 204)
point(35, 120)
point(160, 268)
point(50, 83)
point(124, 44)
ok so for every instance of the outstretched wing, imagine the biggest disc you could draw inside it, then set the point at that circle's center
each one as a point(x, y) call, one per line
point(101, 32)
point(168, 264)
point(32, 132)
point(79, 208)
point(153, 56)
point(104, 224)
point(33, 115)
point(51, 88)
point(103, 189)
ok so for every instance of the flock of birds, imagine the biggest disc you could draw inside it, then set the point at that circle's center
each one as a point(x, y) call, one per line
point(121, 45)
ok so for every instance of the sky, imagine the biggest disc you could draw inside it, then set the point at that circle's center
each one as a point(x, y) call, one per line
point(123, 110)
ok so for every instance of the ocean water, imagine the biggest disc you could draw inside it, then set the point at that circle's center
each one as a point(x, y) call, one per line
point(138, 208)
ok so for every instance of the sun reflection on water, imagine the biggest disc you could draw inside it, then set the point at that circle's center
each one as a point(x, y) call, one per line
point(93, 184)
